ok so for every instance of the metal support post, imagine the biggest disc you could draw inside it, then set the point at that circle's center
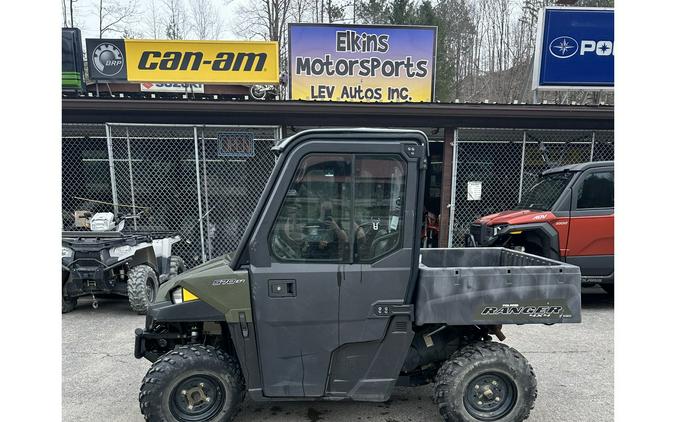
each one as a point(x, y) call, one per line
point(522, 167)
point(592, 145)
point(451, 219)
point(111, 165)
point(199, 195)
point(209, 238)
point(131, 182)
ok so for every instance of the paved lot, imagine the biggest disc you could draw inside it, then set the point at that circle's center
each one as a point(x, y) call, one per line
point(574, 366)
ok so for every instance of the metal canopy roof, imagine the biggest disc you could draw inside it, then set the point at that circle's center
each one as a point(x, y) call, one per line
point(302, 113)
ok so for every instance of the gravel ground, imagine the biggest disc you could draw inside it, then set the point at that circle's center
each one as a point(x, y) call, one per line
point(574, 366)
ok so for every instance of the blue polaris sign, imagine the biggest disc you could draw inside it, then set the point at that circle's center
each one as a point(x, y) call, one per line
point(575, 49)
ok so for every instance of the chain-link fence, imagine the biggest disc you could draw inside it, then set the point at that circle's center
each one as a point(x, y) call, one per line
point(201, 181)
point(493, 169)
point(204, 181)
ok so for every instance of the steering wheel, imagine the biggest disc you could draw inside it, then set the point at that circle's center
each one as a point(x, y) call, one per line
point(383, 240)
point(289, 251)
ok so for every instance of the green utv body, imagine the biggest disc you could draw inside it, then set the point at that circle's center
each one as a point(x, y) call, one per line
point(329, 297)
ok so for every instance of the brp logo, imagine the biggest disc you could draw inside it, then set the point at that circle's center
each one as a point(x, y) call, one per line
point(563, 47)
point(108, 59)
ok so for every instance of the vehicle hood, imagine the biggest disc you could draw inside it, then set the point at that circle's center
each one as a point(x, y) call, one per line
point(512, 217)
point(215, 267)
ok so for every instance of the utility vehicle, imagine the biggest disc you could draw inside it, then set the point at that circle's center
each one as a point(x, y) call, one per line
point(567, 215)
point(110, 260)
point(329, 297)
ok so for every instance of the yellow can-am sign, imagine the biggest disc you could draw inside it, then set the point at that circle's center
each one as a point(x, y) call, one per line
point(218, 62)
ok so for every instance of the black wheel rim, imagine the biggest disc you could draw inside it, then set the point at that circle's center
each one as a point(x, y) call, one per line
point(490, 396)
point(197, 398)
point(150, 289)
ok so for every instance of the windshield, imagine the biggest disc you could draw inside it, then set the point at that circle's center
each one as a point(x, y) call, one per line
point(545, 192)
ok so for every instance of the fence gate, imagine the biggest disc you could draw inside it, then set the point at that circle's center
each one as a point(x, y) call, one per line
point(492, 168)
point(203, 181)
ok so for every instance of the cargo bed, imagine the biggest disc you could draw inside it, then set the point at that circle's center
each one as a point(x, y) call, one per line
point(487, 286)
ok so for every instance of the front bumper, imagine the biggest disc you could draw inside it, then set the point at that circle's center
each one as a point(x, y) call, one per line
point(90, 277)
point(479, 235)
point(143, 337)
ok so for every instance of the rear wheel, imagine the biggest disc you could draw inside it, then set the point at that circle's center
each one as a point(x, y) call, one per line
point(142, 285)
point(485, 381)
point(192, 383)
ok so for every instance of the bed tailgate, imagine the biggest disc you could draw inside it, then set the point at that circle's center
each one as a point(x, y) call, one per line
point(488, 286)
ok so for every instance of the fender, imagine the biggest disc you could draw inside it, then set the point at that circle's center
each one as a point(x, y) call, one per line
point(144, 256)
point(548, 235)
point(168, 312)
point(194, 310)
point(240, 334)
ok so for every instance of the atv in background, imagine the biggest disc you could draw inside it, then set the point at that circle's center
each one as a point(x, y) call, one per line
point(109, 260)
point(568, 215)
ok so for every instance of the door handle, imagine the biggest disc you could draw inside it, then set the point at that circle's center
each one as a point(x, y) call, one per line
point(282, 288)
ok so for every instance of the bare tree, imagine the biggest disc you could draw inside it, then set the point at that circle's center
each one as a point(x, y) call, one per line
point(264, 19)
point(68, 9)
point(301, 11)
point(72, 20)
point(205, 19)
point(153, 20)
point(174, 20)
point(115, 15)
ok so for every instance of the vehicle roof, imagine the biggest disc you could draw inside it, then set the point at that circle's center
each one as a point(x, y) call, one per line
point(364, 130)
point(579, 167)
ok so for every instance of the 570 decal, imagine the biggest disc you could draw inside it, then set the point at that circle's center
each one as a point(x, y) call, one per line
point(193, 60)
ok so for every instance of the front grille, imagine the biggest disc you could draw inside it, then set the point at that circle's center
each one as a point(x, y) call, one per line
point(87, 259)
point(476, 230)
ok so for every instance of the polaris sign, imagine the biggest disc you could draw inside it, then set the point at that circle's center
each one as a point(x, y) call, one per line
point(575, 49)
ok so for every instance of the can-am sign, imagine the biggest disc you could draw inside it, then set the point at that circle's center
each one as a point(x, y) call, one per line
point(219, 62)
point(575, 49)
point(362, 63)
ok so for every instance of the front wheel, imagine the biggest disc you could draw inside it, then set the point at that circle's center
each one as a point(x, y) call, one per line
point(177, 266)
point(142, 285)
point(485, 381)
point(193, 383)
point(68, 304)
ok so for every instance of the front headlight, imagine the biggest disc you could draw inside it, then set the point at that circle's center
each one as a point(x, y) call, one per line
point(66, 252)
point(120, 251)
point(180, 295)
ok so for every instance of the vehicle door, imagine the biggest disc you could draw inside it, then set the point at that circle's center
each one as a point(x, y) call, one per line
point(375, 320)
point(591, 230)
point(300, 245)
point(302, 256)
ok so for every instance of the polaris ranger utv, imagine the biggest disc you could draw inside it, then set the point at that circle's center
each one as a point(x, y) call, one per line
point(111, 261)
point(567, 215)
point(329, 297)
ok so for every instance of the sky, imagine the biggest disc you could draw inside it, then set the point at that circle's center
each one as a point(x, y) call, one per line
point(86, 15)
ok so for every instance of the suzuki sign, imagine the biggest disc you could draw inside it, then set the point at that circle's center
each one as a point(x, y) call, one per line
point(575, 49)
